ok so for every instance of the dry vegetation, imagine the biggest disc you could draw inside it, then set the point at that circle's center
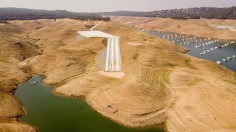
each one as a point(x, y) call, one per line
point(13, 48)
point(161, 87)
point(195, 27)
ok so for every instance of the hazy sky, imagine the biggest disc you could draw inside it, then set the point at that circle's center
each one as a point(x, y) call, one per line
point(114, 5)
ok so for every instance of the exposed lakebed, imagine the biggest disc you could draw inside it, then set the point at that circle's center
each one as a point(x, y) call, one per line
point(52, 113)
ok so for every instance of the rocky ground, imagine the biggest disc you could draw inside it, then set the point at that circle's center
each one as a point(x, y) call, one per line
point(162, 86)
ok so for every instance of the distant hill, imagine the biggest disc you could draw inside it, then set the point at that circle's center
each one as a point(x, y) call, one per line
point(195, 13)
point(31, 14)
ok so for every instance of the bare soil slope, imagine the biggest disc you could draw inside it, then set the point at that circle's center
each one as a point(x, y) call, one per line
point(161, 87)
point(197, 27)
point(13, 48)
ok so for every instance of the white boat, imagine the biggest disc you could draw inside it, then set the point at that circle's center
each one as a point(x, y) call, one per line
point(228, 58)
point(33, 82)
point(225, 60)
point(218, 62)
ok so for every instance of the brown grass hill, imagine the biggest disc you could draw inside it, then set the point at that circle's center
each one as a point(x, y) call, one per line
point(162, 86)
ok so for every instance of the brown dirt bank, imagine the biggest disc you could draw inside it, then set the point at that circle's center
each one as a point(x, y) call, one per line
point(13, 49)
point(195, 27)
point(161, 85)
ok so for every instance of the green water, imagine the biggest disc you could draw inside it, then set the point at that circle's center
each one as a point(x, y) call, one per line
point(52, 113)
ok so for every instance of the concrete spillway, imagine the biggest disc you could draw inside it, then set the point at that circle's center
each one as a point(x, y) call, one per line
point(113, 56)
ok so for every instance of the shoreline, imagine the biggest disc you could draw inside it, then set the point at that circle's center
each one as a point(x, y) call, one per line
point(22, 106)
point(53, 90)
point(157, 77)
point(100, 113)
point(157, 126)
point(54, 87)
point(170, 25)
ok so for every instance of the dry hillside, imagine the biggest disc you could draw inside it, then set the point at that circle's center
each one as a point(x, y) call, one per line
point(162, 86)
point(197, 27)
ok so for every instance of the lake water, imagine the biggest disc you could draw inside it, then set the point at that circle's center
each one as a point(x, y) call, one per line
point(53, 113)
point(206, 48)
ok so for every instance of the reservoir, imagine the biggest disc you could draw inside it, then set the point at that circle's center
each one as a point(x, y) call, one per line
point(221, 51)
point(52, 113)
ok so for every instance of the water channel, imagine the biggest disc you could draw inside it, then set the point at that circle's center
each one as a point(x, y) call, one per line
point(52, 113)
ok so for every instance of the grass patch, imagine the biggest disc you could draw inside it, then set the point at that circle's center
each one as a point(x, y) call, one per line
point(230, 81)
point(162, 84)
point(88, 26)
point(172, 105)
point(173, 102)
point(194, 81)
point(189, 64)
point(104, 42)
point(164, 80)
point(128, 38)
point(61, 43)
point(5, 59)
point(7, 128)
point(135, 56)
point(169, 64)
point(166, 76)
point(91, 51)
